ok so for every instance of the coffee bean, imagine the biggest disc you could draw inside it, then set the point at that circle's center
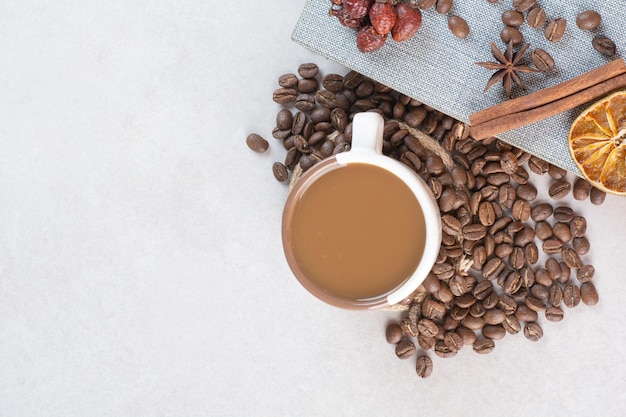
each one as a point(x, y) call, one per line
point(494, 316)
point(483, 289)
point(473, 323)
point(288, 80)
point(596, 196)
point(578, 226)
point(588, 293)
point(301, 144)
point(408, 327)
point(308, 70)
point(520, 210)
point(297, 125)
point(588, 20)
point(562, 231)
point(581, 189)
point(571, 258)
point(554, 314)
point(571, 295)
point(566, 273)
point(535, 304)
point(280, 172)
point(542, 60)
point(533, 331)
point(458, 26)
point(512, 18)
point(511, 324)
point(424, 366)
point(512, 282)
point(493, 267)
point(523, 5)
point(468, 336)
point(523, 313)
point(520, 176)
point(527, 276)
point(326, 98)
point(511, 34)
point(443, 351)
point(506, 195)
point(284, 119)
point(543, 230)
point(425, 342)
point(542, 276)
point(484, 346)
point(426, 4)
point(284, 95)
point(604, 45)
point(555, 29)
point(393, 333)
point(559, 189)
point(541, 212)
point(307, 85)
point(555, 172)
point(536, 17)
point(509, 162)
point(527, 192)
point(474, 232)
point(305, 102)
point(493, 332)
point(432, 309)
point(453, 341)
point(585, 273)
point(554, 268)
point(444, 6)
point(552, 246)
point(486, 214)
point(531, 253)
point(540, 292)
point(517, 258)
point(563, 214)
point(538, 165)
point(405, 349)
point(256, 143)
point(427, 327)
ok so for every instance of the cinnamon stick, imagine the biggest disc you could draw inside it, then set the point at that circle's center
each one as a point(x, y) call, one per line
point(547, 95)
point(514, 120)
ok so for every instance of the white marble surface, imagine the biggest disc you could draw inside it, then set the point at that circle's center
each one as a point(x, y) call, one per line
point(141, 271)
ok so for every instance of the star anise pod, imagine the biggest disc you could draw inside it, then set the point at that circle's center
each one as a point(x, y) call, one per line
point(507, 67)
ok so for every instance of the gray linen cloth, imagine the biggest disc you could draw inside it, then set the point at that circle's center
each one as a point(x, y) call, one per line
point(439, 70)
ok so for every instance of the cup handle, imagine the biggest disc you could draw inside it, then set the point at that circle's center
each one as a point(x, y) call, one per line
point(367, 132)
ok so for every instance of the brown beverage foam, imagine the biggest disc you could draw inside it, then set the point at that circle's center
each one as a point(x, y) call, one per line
point(358, 232)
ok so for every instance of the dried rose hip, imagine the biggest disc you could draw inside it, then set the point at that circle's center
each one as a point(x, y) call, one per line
point(383, 16)
point(345, 19)
point(408, 23)
point(357, 9)
point(368, 40)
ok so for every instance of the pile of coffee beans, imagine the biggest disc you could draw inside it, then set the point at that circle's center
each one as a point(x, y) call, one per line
point(511, 256)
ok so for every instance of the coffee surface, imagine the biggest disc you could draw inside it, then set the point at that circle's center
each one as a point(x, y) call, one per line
point(358, 231)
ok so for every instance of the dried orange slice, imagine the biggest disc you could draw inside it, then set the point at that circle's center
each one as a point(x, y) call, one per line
point(597, 143)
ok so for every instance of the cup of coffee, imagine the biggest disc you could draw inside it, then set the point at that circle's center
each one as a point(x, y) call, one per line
point(361, 230)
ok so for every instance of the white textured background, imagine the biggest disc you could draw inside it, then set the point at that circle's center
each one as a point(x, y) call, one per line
point(141, 271)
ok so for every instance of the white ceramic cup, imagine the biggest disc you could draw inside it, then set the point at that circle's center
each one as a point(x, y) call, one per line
point(366, 148)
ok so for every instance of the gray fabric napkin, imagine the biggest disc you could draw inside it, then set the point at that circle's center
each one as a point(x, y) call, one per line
point(439, 70)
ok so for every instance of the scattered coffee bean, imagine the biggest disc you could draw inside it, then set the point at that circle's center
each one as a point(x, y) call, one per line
point(555, 172)
point(596, 196)
point(581, 189)
point(578, 226)
point(393, 333)
point(484, 346)
point(585, 273)
point(424, 366)
point(405, 349)
point(604, 45)
point(257, 143)
point(554, 314)
point(308, 70)
point(571, 296)
point(533, 331)
point(542, 60)
point(511, 34)
point(563, 214)
point(458, 26)
point(588, 293)
point(512, 18)
point(280, 172)
point(559, 189)
point(556, 29)
point(524, 5)
point(588, 20)
point(536, 17)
